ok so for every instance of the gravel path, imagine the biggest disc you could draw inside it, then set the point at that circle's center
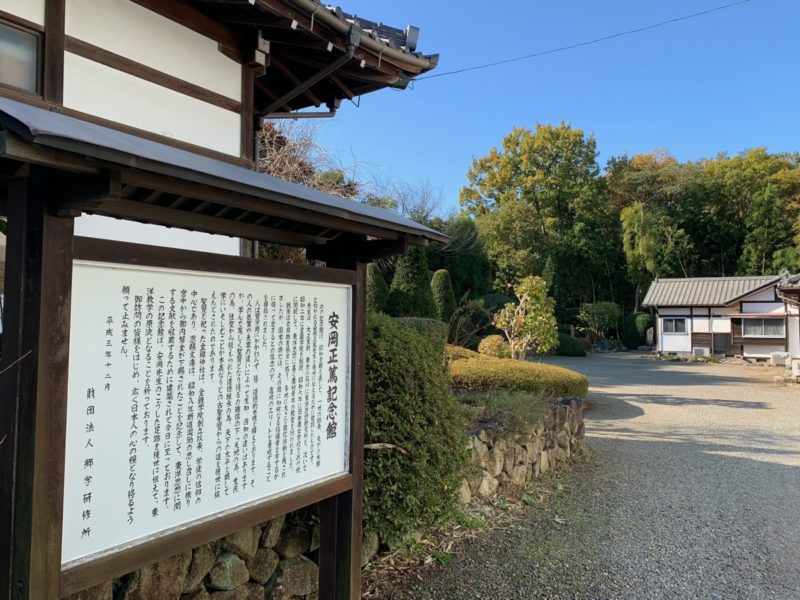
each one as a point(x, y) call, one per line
point(692, 490)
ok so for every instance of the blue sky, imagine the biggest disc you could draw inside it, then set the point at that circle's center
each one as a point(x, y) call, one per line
point(723, 82)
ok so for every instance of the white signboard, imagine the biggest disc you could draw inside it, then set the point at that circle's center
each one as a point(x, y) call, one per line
point(192, 394)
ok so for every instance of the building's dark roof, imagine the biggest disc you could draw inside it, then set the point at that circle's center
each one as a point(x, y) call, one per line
point(704, 291)
point(306, 35)
point(789, 281)
point(49, 129)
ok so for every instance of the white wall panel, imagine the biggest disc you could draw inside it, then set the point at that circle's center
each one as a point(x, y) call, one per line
point(767, 295)
point(764, 307)
point(675, 311)
point(132, 31)
point(794, 336)
point(675, 342)
point(700, 325)
point(105, 92)
point(106, 228)
point(31, 10)
point(721, 325)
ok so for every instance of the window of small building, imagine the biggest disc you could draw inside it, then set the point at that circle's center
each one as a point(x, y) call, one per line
point(674, 325)
point(764, 328)
point(19, 57)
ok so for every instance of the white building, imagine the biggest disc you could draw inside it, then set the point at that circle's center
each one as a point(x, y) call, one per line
point(725, 315)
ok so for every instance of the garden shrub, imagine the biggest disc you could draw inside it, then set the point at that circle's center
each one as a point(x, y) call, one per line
point(634, 329)
point(511, 412)
point(570, 346)
point(410, 294)
point(469, 324)
point(377, 290)
point(409, 403)
point(432, 330)
point(443, 296)
point(494, 302)
point(494, 345)
point(453, 352)
point(488, 373)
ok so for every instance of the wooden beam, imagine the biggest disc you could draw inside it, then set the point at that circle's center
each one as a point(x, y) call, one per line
point(80, 193)
point(272, 95)
point(148, 213)
point(295, 80)
point(53, 84)
point(17, 149)
point(141, 71)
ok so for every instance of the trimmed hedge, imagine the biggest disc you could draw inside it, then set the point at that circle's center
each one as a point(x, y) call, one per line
point(443, 296)
point(494, 345)
point(487, 373)
point(377, 289)
point(634, 329)
point(431, 329)
point(409, 404)
point(570, 346)
point(410, 294)
point(453, 352)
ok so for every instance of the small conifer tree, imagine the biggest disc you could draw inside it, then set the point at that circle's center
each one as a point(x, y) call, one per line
point(377, 290)
point(443, 295)
point(410, 293)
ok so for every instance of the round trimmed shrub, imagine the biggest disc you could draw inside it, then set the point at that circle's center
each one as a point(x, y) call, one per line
point(443, 296)
point(409, 404)
point(570, 346)
point(410, 294)
point(432, 330)
point(634, 329)
point(494, 345)
point(377, 290)
point(486, 373)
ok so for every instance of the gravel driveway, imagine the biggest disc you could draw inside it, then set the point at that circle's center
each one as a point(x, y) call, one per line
point(692, 491)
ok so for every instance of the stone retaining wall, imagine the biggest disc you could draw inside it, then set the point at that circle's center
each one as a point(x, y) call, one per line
point(278, 560)
point(513, 460)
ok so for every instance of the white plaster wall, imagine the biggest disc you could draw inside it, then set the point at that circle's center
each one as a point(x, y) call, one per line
point(106, 228)
point(700, 325)
point(764, 307)
point(762, 351)
point(794, 336)
point(31, 10)
point(767, 295)
point(675, 342)
point(132, 31)
point(721, 325)
point(675, 311)
point(105, 92)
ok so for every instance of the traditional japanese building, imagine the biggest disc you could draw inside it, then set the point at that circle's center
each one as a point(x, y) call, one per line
point(127, 140)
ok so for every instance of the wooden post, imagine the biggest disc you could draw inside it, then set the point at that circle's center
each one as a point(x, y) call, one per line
point(33, 387)
point(340, 516)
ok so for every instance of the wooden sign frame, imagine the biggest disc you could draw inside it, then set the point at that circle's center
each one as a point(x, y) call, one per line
point(33, 387)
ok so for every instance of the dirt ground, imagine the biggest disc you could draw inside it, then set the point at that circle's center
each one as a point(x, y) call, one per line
point(690, 490)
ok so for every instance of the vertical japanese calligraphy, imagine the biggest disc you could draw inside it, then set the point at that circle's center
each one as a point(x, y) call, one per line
point(192, 394)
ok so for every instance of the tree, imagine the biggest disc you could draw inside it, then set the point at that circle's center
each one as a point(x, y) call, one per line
point(464, 257)
point(410, 293)
point(377, 290)
point(530, 324)
point(598, 318)
point(767, 232)
point(443, 295)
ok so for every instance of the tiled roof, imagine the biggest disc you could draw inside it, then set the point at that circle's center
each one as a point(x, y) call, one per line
point(703, 291)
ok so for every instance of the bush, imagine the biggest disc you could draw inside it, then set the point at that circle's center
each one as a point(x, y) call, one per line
point(634, 329)
point(431, 329)
point(511, 412)
point(599, 318)
point(469, 324)
point(487, 373)
point(377, 290)
point(570, 346)
point(453, 352)
point(494, 345)
point(443, 296)
point(410, 293)
point(409, 404)
point(494, 302)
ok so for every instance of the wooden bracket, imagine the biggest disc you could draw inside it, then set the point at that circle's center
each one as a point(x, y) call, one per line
point(83, 192)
